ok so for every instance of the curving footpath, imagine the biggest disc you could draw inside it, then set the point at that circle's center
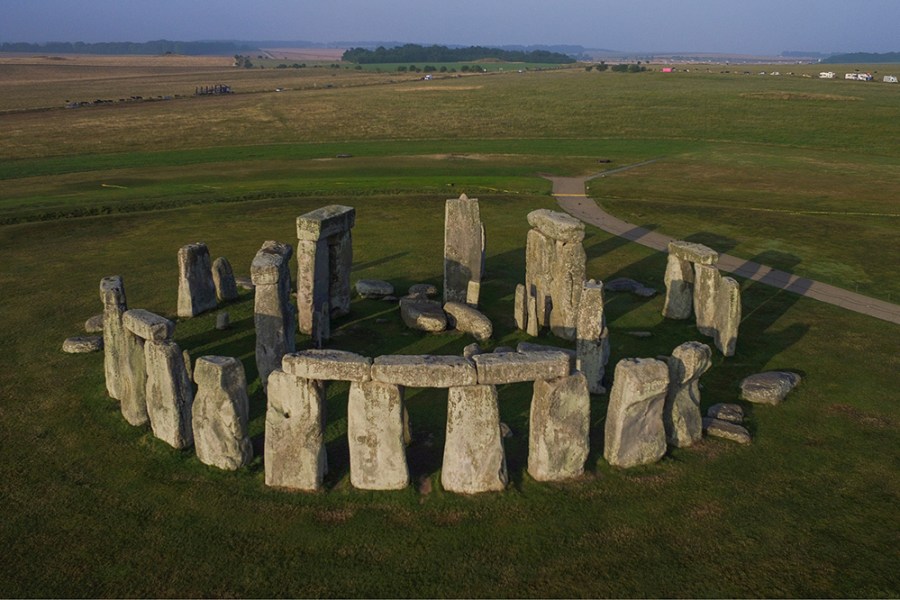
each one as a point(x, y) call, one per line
point(570, 194)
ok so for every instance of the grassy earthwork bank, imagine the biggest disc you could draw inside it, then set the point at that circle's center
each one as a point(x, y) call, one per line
point(797, 173)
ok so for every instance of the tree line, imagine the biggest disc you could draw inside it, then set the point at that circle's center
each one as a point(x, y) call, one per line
point(409, 53)
point(863, 57)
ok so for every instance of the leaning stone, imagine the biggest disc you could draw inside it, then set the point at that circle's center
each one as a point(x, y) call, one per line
point(220, 413)
point(556, 225)
point(726, 430)
point(733, 413)
point(463, 250)
point(527, 347)
point(770, 387)
point(474, 460)
point(170, 396)
point(728, 316)
point(558, 441)
point(83, 344)
point(463, 317)
point(679, 281)
point(513, 367)
point(681, 415)
point(328, 365)
point(471, 350)
point(223, 321)
point(635, 434)
point(147, 325)
point(94, 324)
point(424, 370)
point(423, 289)
point(374, 288)
point(375, 434)
point(196, 290)
point(223, 279)
point(422, 314)
point(112, 295)
point(693, 252)
point(295, 442)
point(707, 280)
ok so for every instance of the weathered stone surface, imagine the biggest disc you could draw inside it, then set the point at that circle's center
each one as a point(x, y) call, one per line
point(679, 280)
point(340, 262)
point(374, 288)
point(83, 344)
point(504, 350)
point(325, 222)
point(769, 387)
point(528, 347)
point(220, 413)
point(728, 316)
point(273, 313)
point(148, 325)
point(557, 225)
point(170, 395)
point(112, 295)
point(520, 308)
point(471, 350)
point(423, 289)
point(313, 296)
point(463, 250)
point(223, 280)
point(635, 434)
point(558, 441)
point(270, 264)
point(375, 434)
point(196, 290)
point(532, 326)
point(94, 324)
point(245, 283)
point(223, 321)
point(134, 380)
point(625, 284)
point(539, 263)
point(422, 314)
point(681, 415)
point(474, 459)
point(565, 288)
point(693, 252)
point(328, 365)
point(639, 334)
point(513, 367)
point(726, 430)
point(424, 370)
point(733, 413)
point(188, 364)
point(294, 442)
point(592, 341)
point(707, 280)
point(463, 317)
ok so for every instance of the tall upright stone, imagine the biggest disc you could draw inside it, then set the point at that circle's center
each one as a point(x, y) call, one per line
point(221, 412)
point(679, 280)
point(273, 312)
point(728, 316)
point(112, 295)
point(558, 440)
point(463, 250)
point(681, 414)
point(170, 394)
point(592, 341)
point(375, 433)
point(223, 280)
point(635, 434)
point(295, 442)
point(196, 290)
point(474, 459)
point(706, 296)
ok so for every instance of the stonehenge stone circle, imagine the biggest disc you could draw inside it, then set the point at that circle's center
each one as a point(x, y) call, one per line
point(463, 250)
point(220, 413)
point(170, 395)
point(681, 414)
point(635, 434)
point(112, 295)
point(770, 387)
point(83, 344)
point(558, 441)
point(196, 290)
point(592, 341)
point(474, 459)
point(463, 317)
point(375, 434)
point(223, 280)
point(273, 313)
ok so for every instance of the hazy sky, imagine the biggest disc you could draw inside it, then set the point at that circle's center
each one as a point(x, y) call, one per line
point(739, 26)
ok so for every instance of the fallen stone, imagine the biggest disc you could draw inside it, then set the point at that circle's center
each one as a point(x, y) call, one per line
point(328, 365)
point(557, 225)
point(639, 334)
point(693, 252)
point(474, 459)
point(94, 324)
point(374, 288)
point(390, 299)
point(196, 290)
point(471, 350)
point(463, 250)
point(726, 430)
point(425, 370)
point(423, 289)
point(220, 413)
point(625, 284)
point(635, 434)
point(147, 325)
point(769, 387)
point(558, 441)
point(513, 367)
point(681, 414)
point(466, 319)
point(170, 395)
point(223, 321)
point(422, 314)
point(733, 413)
point(83, 344)
point(375, 434)
point(223, 280)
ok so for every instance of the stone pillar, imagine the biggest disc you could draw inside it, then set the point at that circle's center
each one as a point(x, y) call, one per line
point(592, 343)
point(635, 434)
point(273, 313)
point(375, 433)
point(681, 414)
point(706, 295)
point(538, 260)
point(112, 295)
point(313, 313)
point(679, 280)
point(295, 443)
point(140, 326)
point(196, 290)
point(474, 460)
point(340, 261)
point(223, 279)
point(463, 250)
point(728, 315)
point(558, 440)
point(520, 308)
point(220, 413)
point(170, 395)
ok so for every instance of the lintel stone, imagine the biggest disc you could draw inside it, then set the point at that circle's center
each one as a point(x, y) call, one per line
point(693, 252)
point(513, 367)
point(148, 325)
point(556, 225)
point(325, 222)
point(328, 365)
point(424, 370)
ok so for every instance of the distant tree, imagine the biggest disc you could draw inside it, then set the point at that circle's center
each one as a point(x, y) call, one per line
point(620, 68)
point(401, 69)
point(602, 66)
point(443, 68)
point(589, 68)
point(430, 69)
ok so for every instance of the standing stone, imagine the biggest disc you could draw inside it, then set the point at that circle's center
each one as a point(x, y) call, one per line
point(520, 308)
point(565, 289)
point(220, 413)
point(706, 297)
point(112, 295)
point(223, 280)
point(474, 460)
point(196, 290)
point(170, 396)
point(558, 441)
point(223, 321)
point(294, 442)
point(592, 342)
point(375, 433)
point(312, 287)
point(538, 264)
point(273, 314)
point(340, 261)
point(728, 316)
point(679, 280)
point(635, 434)
point(533, 327)
point(681, 415)
point(134, 380)
point(463, 250)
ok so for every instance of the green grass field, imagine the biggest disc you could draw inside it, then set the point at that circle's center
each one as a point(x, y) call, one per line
point(758, 167)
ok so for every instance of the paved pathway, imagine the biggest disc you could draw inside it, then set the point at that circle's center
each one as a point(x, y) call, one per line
point(570, 193)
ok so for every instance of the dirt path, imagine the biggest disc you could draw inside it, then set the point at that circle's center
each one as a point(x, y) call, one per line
point(571, 196)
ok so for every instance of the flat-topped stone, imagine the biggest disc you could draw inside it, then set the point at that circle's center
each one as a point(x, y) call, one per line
point(726, 430)
point(270, 263)
point(328, 365)
point(325, 222)
point(147, 325)
point(374, 288)
point(769, 387)
point(557, 225)
point(733, 413)
point(528, 347)
point(693, 252)
point(83, 344)
point(513, 367)
point(424, 370)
